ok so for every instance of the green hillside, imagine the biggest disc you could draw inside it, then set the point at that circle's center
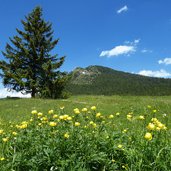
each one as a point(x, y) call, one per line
point(99, 80)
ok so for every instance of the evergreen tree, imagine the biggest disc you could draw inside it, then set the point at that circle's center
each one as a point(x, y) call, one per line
point(29, 65)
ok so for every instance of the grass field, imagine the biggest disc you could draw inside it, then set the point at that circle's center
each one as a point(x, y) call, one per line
point(119, 133)
point(15, 110)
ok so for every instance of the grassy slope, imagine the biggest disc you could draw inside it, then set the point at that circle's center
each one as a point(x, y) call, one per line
point(19, 110)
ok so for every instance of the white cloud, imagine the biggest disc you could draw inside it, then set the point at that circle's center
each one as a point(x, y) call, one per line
point(150, 73)
point(166, 61)
point(118, 50)
point(146, 51)
point(136, 41)
point(121, 49)
point(4, 93)
point(123, 9)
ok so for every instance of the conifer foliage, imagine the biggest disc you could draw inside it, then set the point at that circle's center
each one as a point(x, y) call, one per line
point(29, 66)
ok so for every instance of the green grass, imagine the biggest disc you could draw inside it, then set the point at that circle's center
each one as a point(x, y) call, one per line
point(16, 110)
point(93, 144)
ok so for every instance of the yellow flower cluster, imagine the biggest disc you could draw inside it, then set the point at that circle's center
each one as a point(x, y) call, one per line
point(65, 117)
point(23, 125)
point(155, 124)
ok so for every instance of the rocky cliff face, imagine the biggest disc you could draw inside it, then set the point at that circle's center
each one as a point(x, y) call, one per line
point(84, 75)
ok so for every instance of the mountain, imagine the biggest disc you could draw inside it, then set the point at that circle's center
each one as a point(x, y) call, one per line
point(99, 80)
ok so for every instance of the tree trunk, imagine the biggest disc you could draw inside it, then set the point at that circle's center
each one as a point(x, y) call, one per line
point(33, 93)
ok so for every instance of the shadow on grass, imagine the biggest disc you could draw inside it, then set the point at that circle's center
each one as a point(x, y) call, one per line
point(10, 98)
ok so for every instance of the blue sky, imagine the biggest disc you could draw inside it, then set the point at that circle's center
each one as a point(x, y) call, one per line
point(126, 35)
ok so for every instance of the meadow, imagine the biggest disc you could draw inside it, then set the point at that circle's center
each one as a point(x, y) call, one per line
point(86, 133)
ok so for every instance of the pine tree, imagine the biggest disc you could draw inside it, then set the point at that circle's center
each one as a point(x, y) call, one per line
point(29, 66)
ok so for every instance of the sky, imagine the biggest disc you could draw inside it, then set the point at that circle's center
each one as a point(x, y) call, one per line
point(126, 35)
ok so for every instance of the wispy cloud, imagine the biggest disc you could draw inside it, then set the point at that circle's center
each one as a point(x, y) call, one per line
point(146, 51)
point(123, 9)
point(127, 49)
point(4, 93)
point(160, 73)
point(166, 61)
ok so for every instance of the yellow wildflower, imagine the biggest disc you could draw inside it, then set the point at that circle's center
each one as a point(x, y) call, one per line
point(40, 114)
point(5, 139)
point(98, 115)
point(24, 122)
point(65, 117)
point(62, 107)
point(55, 116)
point(148, 136)
point(91, 122)
point(52, 124)
point(77, 124)
point(1, 131)
point(50, 112)
point(34, 112)
point(155, 120)
point(94, 125)
point(120, 146)
point(158, 128)
point(31, 120)
point(117, 114)
point(93, 108)
point(23, 126)
point(14, 133)
point(66, 135)
point(2, 158)
point(129, 117)
point(124, 131)
point(61, 117)
point(141, 117)
point(76, 111)
point(113, 160)
point(149, 106)
point(151, 126)
point(44, 118)
point(161, 126)
point(69, 118)
point(84, 110)
point(111, 116)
